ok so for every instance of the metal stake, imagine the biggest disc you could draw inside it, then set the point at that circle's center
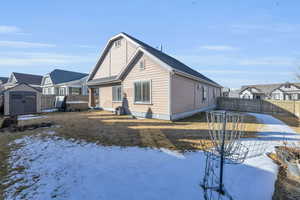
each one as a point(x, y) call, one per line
point(221, 189)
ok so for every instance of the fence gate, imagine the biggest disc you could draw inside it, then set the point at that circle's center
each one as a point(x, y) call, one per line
point(22, 102)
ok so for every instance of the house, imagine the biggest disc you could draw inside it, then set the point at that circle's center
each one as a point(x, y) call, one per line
point(3, 80)
point(29, 79)
point(63, 83)
point(147, 82)
point(286, 91)
point(252, 92)
point(225, 91)
point(279, 91)
point(231, 93)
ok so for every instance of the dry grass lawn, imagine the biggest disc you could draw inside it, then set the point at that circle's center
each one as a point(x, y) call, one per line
point(107, 129)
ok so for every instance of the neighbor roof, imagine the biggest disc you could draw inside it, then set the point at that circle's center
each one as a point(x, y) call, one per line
point(172, 62)
point(28, 78)
point(61, 76)
point(267, 88)
point(3, 79)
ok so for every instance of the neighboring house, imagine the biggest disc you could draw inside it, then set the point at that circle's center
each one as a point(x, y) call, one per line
point(64, 83)
point(286, 91)
point(29, 79)
point(234, 94)
point(225, 92)
point(252, 93)
point(280, 91)
point(3, 80)
point(148, 83)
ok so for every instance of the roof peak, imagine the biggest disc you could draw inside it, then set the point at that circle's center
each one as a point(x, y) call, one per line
point(167, 59)
point(63, 70)
point(26, 74)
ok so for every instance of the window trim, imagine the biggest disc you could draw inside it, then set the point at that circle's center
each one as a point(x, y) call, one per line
point(204, 91)
point(142, 61)
point(150, 95)
point(117, 101)
point(118, 43)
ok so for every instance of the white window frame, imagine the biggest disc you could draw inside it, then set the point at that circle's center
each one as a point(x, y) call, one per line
point(112, 91)
point(150, 95)
point(118, 43)
point(204, 91)
point(64, 93)
point(142, 64)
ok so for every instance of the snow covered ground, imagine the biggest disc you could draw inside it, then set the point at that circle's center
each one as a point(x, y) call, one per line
point(55, 168)
point(29, 117)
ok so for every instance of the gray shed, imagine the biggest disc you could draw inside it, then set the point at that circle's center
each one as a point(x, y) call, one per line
point(22, 99)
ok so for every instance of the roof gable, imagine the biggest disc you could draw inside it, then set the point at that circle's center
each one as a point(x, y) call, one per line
point(27, 78)
point(18, 85)
point(169, 62)
point(61, 76)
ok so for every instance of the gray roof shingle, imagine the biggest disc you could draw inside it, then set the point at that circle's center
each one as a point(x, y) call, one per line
point(62, 76)
point(102, 80)
point(172, 62)
point(3, 80)
point(28, 78)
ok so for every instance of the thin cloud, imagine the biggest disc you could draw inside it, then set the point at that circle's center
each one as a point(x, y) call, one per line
point(43, 59)
point(9, 29)
point(218, 47)
point(21, 44)
point(87, 46)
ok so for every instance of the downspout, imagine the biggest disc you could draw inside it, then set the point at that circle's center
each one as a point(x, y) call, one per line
point(170, 94)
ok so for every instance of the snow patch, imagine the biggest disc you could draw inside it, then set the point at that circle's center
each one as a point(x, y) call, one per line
point(50, 110)
point(55, 168)
point(173, 153)
point(29, 117)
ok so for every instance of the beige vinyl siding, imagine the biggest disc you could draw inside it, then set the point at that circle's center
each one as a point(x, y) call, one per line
point(104, 69)
point(131, 48)
point(187, 95)
point(105, 98)
point(159, 77)
point(116, 59)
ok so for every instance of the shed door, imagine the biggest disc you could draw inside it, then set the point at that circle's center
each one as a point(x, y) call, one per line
point(22, 103)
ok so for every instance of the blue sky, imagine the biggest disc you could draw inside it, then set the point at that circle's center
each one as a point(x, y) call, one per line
point(233, 42)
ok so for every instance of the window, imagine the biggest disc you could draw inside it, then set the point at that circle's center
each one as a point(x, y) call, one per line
point(117, 43)
point(142, 64)
point(287, 85)
point(276, 96)
point(63, 91)
point(204, 92)
point(75, 91)
point(47, 81)
point(246, 96)
point(142, 92)
point(117, 93)
point(47, 91)
point(295, 96)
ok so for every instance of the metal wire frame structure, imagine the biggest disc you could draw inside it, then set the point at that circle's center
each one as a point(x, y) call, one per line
point(225, 132)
